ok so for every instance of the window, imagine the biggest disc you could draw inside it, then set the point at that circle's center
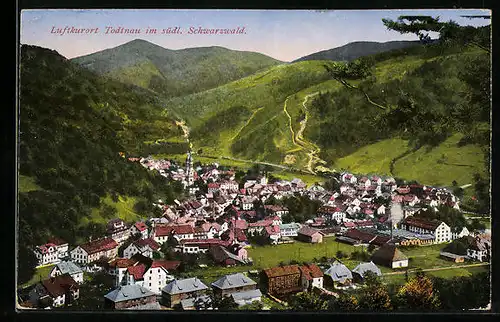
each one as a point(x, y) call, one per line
point(149, 284)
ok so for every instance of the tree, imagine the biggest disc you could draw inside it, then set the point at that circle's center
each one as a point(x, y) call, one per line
point(226, 303)
point(254, 306)
point(418, 294)
point(306, 301)
point(27, 262)
point(344, 303)
point(375, 296)
point(340, 254)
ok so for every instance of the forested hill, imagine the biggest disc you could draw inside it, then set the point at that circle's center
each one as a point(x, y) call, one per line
point(174, 72)
point(357, 49)
point(73, 125)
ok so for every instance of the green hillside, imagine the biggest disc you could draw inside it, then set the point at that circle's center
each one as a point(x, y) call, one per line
point(74, 126)
point(297, 115)
point(174, 72)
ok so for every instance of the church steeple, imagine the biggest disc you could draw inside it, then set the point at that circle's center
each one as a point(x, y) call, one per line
point(189, 169)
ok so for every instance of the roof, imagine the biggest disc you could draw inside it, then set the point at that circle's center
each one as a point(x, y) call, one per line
point(232, 281)
point(246, 295)
point(387, 254)
point(338, 272)
point(122, 262)
point(292, 225)
point(168, 265)
point(148, 242)
point(311, 271)
point(190, 302)
point(184, 286)
point(282, 270)
point(140, 226)
point(67, 267)
point(362, 268)
point(308, 231)
point(137, 271)
point(99, 245)
point(56, 241)
point(128, 292)
point(422, 223)
point(57, 286)
point(220, 254)
point(363, 236)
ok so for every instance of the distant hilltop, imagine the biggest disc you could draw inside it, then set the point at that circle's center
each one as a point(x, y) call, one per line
point(357, 49)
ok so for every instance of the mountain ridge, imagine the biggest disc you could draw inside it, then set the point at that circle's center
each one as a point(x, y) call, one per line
point(357, 49)
point(172, 72)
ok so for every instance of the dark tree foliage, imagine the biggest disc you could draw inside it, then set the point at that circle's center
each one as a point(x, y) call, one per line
point(452, 217)
point(72, 130)
point(301, 208)
point(464, 292)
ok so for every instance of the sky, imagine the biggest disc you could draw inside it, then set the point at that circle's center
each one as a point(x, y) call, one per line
point(282, 34)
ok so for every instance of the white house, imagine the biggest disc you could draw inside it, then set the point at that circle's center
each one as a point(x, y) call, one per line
point(139, 228)
point(289, 230)
point(94, 250)
point(480, 249)
point(145, 247)
point(70, 268)
point(153, 278)
point(46, 254)
point(440, 230)
point(456, 234)
point(117, 230)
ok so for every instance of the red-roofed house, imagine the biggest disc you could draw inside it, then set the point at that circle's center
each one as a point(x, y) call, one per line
point(94, 250)
point(154, 277)
point(179, 232)
point(273, 232)
point(195, 246)
point(139, 228)
point(310, 235)
point(312, 276)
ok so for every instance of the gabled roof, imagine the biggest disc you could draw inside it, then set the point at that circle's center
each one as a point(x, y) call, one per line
point(140, 226)
point(128, 292)
point(148, 242)
point(387, 254)
point(422, 223)
point(362, 268)
point(282, 271)
point(121, 263)
point(57, 286)
point(68, 267)
point(99, 245)
point(246, 295)
point(338, 272)
point(184, 286)
point(311, 271)
point(137, 271)
point(308, 231)
point(168, 265)
point(233, 281)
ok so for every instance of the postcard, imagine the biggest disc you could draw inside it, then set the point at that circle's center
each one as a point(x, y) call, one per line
point(254, 160)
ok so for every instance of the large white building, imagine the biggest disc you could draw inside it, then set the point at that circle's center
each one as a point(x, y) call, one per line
point(51, 253)
point(440, 230)
point(94, 250)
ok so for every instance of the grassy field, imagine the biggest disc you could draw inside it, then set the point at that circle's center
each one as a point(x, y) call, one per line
point(124, 210)
point(448, 273)
point(27, 184)
point(40, 273)
point(447, 161)
point(374, 158)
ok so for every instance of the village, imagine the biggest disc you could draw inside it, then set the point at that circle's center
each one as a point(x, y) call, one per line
point(230, 229)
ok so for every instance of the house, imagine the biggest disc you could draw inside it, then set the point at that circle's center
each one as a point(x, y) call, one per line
point(312, 276)
point(70, 268)
point(457, 233)
point(55, 291)
point(282, 280)
point(234, 283)
point(452, 257)
point(390, 256)
point(144, 247)
point(211, 229)
point(224, 257)
point(275, 210)
point(46, 254)
point(479, 249)
point(440, 230)
point(154, 277)
point(310, 235)
point(273, 233)
point(362, 268)
point(337, 213)
point(247, 297)
point(179, 232)
point(139, 228)
point(177, 290)
point(289, 230)
point(117, 230)
point(130, 297)
point(338, 274)
point(195, 246)
point(202, 302)
point(94, 250)
point(118, 269)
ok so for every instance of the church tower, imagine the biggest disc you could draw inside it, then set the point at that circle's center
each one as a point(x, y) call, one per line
point(189, 170)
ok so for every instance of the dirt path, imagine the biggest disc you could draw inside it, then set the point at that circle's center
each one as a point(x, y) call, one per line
point(437, 269)
point(185, 129)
